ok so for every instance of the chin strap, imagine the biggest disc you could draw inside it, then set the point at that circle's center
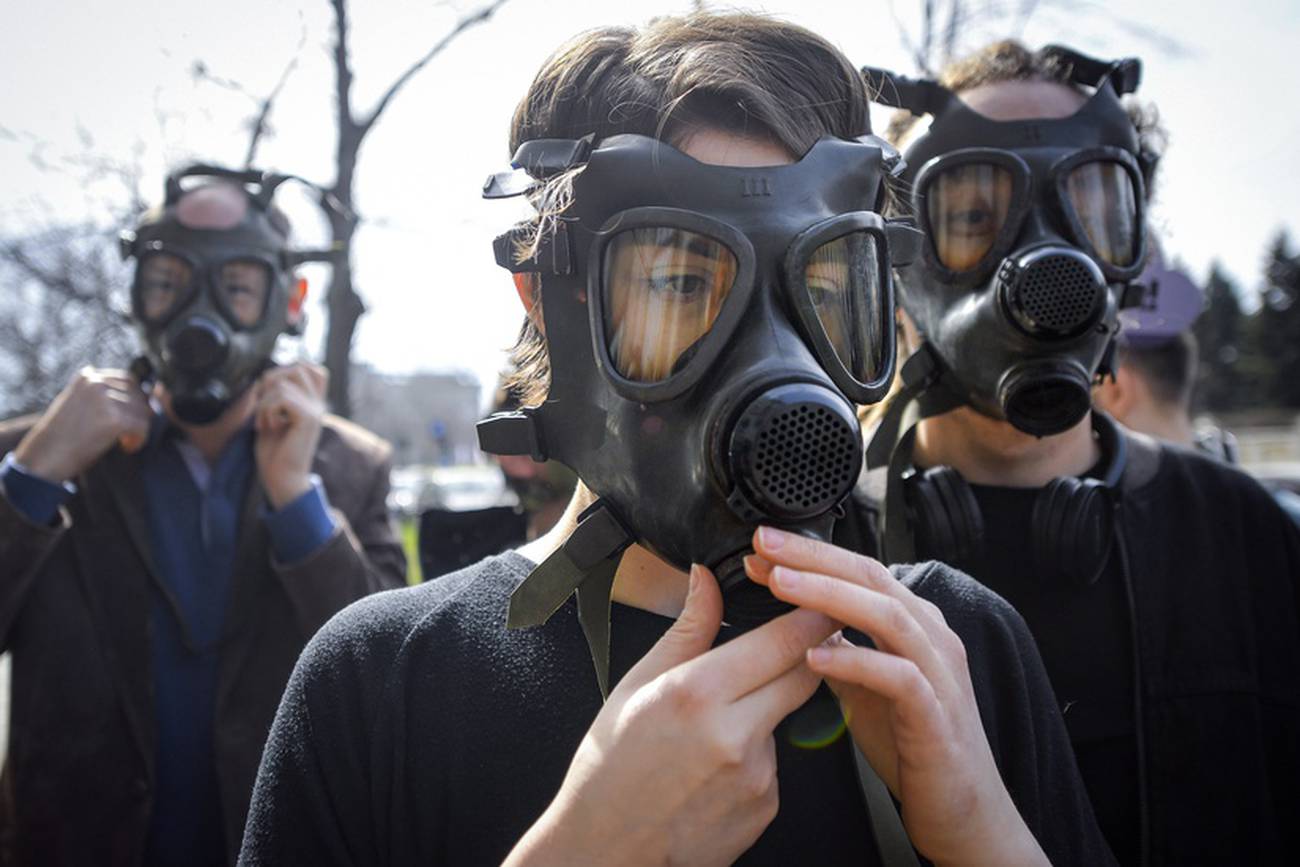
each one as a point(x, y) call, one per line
point(586, 563)
point(925, 393)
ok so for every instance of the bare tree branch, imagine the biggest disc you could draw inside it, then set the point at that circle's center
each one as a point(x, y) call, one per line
point(475, 18)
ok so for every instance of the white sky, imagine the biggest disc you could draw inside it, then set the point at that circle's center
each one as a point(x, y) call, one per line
point(117, 76)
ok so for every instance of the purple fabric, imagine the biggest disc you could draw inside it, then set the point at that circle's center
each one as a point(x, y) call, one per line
point(1172, 304)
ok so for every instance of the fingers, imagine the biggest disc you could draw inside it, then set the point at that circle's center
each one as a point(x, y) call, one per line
point(691, 635)
point(287, 395)
point(799, 552)
point(915, 701)
point(311, 378)
point(761, 655)
point(778, 698)
point(893, 626)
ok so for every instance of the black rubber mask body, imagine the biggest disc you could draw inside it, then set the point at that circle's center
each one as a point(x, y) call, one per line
point(1022, 332)
point(203, 355)
point(755, 423)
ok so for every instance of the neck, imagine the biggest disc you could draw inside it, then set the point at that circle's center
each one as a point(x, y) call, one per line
point(1164, 423)
point(989, 451)
point(642, 581)
point(211, 439)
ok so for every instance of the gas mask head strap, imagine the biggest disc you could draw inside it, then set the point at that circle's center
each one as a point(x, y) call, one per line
point(924, 394)
point(266, 184)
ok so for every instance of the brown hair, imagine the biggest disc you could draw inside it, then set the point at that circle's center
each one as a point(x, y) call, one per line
point(744, 74)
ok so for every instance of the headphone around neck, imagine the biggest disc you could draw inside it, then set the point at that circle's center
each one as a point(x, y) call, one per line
point(1072, 525)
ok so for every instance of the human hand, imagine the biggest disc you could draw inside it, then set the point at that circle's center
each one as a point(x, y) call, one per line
point(679, 766)
point(909, 703)
point(289, 406)
point(97, 409)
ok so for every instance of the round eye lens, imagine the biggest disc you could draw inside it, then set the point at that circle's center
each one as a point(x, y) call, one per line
point(243, 287)
point(967, 207)
point(1103, 197)
point(843, 282)
point(162, 280)
point(662, 290)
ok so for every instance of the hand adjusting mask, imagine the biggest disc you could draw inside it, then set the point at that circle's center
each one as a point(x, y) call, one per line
point(210, 302)
point(709, 329)
point(1034, 228)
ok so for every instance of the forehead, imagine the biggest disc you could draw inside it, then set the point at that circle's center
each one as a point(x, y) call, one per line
point(1023, 100)
point(218, 206)
point(720, 148)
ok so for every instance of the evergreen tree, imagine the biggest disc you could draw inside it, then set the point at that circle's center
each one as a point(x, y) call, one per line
point(1276, 327)
point(1220, 335)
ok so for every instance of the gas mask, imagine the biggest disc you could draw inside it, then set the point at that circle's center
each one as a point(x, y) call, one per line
point(210, 303)
point(1033, 229)
point(1034, 235)
point(710, 329)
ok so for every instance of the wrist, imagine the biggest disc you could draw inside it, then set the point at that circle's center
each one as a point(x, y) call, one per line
point(38, 463)
point(1001, 838)
point(282, 492)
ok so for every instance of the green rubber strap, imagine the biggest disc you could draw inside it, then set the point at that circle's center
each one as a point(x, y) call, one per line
point(892, 842)
point(593, 615)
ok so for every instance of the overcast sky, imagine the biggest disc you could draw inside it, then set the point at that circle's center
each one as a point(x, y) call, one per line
point(115, 78)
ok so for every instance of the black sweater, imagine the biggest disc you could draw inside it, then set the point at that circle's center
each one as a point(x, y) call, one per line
point(418, 730)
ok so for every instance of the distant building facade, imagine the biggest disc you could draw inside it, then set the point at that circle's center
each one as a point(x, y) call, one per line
point(428, 417)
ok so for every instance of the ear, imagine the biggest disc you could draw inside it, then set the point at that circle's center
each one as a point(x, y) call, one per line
point(528, 285)
point(1117, 397)
point(297, 298)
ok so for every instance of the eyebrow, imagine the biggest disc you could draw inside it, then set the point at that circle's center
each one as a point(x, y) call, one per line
point(696, 244)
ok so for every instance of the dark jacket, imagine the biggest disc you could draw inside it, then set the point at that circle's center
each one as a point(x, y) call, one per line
point(74, 613)
point(1215, 568)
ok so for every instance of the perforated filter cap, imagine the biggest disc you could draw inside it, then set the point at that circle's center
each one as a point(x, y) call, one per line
point(1053, 292)
point(794, 453)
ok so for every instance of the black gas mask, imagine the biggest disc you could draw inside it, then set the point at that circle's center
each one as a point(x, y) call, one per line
point(210, 303)
point(1034, 236)
point(1033, 229)
point(710, 329)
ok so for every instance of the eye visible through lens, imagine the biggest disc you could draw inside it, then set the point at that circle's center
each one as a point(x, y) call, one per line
point(843, 282)
point(161, 281)
point(243, 286)
point(1103, 198)
point(662, 291)
point(967, 207)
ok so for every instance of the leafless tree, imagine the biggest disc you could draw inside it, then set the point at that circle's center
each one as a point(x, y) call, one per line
point(64, 307)
point(338, 202)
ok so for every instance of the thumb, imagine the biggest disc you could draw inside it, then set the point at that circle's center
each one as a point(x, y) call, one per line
point(692, 633)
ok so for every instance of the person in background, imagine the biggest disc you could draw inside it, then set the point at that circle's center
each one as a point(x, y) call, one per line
point(170, 537)
point(709, 293)
point(1161, 586)
point(1153, 387)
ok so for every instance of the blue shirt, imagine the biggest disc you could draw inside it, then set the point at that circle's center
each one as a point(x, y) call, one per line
point(193, 512)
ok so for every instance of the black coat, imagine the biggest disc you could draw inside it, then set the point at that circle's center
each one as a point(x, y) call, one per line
point(74, 613)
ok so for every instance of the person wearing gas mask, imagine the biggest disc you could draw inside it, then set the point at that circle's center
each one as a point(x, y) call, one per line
point(708, 286)
point(1155, 361)
point(169, 540)
point(1160, 586)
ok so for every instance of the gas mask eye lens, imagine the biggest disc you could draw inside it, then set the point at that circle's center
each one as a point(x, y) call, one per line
point(242, 287)
point(1104, 200)
point(843, 282)
point(662, 291)
point(967, 208)
point(161, 283)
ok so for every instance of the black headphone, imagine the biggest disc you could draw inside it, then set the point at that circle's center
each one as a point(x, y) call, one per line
point(1072, 526)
